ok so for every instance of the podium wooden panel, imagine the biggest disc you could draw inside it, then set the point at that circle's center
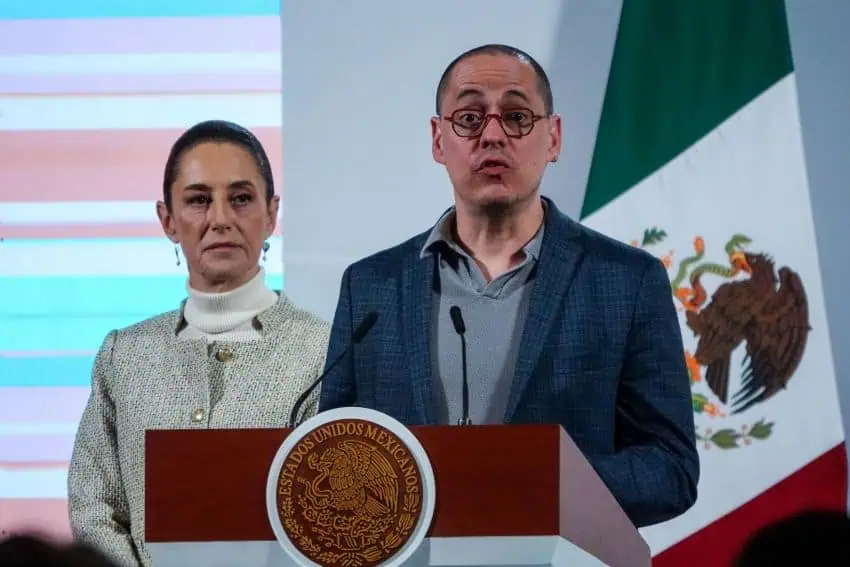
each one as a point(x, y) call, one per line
point(491, 481)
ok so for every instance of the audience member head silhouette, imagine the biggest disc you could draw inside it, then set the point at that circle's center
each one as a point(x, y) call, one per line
point(816, 537)
point(32, 551)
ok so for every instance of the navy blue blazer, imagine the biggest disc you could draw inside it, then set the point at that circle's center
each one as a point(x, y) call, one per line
point(601, 354)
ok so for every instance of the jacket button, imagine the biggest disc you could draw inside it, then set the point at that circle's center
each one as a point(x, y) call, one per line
point(198, 415)
point(224, 354)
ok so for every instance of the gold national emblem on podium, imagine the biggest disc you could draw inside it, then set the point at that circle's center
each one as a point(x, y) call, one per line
point(349, 494)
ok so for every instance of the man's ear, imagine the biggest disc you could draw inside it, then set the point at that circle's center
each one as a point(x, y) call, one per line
point(437, 141)
point(555, 138)
point(167, 222)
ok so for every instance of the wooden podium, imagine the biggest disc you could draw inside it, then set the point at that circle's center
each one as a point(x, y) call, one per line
point(505, 495)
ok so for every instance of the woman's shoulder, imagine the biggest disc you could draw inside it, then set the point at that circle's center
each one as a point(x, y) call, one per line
point(163, 323)
point(134, 347)
point(155, 328)
point(298, 320)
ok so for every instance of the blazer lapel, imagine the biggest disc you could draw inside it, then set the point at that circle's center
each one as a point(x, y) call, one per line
point(416, 302)
point(560, 255)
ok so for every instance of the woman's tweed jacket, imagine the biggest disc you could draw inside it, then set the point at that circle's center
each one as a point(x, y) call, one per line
point(145, 377)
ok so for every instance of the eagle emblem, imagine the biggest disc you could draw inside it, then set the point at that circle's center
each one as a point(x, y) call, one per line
point(753, 306)
point(354, 496)
point(360, 481)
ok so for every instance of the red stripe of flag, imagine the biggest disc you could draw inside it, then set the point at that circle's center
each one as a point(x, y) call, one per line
point(820, 484)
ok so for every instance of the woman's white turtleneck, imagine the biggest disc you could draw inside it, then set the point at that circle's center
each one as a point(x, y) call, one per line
point(227, 316)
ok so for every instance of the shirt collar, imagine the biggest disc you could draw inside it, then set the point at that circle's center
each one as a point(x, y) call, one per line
point(442, 234)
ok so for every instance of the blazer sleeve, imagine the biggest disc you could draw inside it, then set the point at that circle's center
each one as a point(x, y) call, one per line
point(340, 387)
point(99, 513)
point(311, 404)
point(654, 472)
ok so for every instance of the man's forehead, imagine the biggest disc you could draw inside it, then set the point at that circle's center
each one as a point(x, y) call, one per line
point(502, 76)
point(493, 68)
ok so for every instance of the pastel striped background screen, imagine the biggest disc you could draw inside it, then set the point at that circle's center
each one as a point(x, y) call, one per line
point(92, 94)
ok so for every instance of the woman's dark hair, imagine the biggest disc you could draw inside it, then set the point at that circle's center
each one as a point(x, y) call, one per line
point(219, 131)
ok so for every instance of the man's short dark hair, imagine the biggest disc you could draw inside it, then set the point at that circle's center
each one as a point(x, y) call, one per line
point(543, 86)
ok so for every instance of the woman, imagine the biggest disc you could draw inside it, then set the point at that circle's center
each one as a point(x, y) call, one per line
point(235, 354)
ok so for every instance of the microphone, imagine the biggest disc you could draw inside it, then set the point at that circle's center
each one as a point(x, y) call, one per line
point(460, 329)
point(358, 335)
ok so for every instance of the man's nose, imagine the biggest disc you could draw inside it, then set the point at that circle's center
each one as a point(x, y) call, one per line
point(493, 134)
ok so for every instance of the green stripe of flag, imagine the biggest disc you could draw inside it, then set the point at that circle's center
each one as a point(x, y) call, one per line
point(680, 68)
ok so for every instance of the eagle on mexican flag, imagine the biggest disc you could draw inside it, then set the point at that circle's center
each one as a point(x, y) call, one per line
point(699, 160)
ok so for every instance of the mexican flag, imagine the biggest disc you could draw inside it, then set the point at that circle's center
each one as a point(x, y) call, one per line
point(699, 161)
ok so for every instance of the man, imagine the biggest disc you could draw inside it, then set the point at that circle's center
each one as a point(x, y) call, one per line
point(563, 325)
